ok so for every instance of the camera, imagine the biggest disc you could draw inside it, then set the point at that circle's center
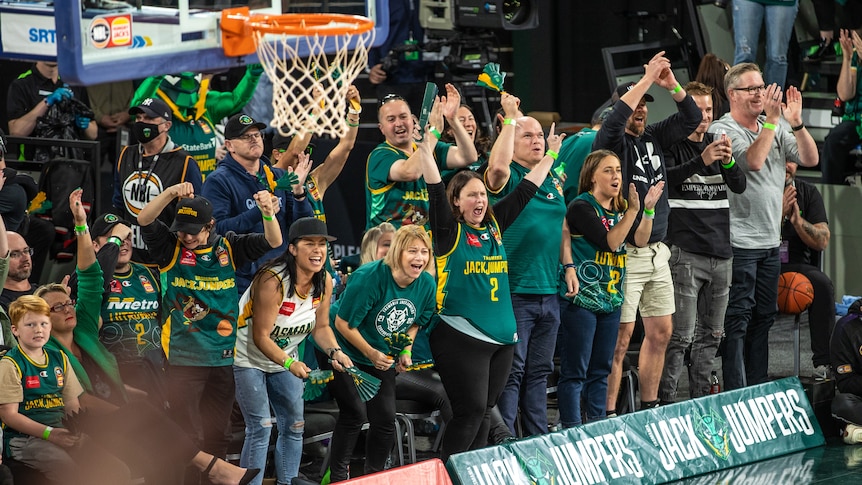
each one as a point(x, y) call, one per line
point(479, 14)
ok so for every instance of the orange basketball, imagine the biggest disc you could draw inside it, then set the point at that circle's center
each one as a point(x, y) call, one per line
point(795, 293)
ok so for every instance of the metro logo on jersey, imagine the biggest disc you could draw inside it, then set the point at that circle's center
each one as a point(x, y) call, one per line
point(188, 258)
point(473, 240)
point(32, 382)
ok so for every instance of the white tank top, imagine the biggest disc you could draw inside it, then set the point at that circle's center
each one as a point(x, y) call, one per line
point(295, 319)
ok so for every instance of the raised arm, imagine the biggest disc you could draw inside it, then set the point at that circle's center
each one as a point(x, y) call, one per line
point(809, 156)
point(326, 173)
point(846, 86)
point(464, 152)
point(151, 211)
point(538, 174)
point(642, 233)
point(86, 251)
point(271, 228)
point(759, 150)
point(504, 147)
point(657, 67)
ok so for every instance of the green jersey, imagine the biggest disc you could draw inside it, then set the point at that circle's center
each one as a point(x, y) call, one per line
point(200, 306)
point(600, 273)
point(477, 266)
point(42, 386)
point(533, 240)
point(375, 305)
point(130, 318)
point(399, 203)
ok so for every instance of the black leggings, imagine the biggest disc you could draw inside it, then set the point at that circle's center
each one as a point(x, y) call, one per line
point(424, 386)
point(474, 374)
point(379, 413)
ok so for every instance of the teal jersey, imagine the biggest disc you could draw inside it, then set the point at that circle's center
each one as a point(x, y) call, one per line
point(43, 389)
point(533, 240)
point(315, 198)
point(199, 137)
point(447, 174)
point(200, 306)
point(375, 305)
point(573, 152)
point(600, 273)
point(130, 318)
point(477, 266)
point(399, 203)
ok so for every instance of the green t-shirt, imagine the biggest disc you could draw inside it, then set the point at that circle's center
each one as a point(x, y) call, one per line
point(200, 306)
point(43, 389)
point(130, 317)
point(533, 241)
point(573, 152)
point(399, 203)
point(447, 174)
point(473, 282)
point(600, 273)
point(375, 305)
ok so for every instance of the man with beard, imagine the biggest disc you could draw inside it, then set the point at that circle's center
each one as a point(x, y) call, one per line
point(20, 265)
point(762, 144)
point(647, 285)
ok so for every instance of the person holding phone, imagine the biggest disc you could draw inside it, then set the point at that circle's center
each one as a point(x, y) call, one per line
point(700, 171)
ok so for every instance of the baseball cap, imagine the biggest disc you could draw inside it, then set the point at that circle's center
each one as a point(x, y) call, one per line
point(152, 107)
point(105, 223)
point(308, 227)
point(238, 124)
point(192, 215)
point(281, 142)
point(626, 87)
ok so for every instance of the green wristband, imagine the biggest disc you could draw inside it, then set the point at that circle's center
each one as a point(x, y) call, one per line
point(510, 121)
point(435, 132)
point(406, 352)
point(266, 217)
point(730, 164)
point(352, 125)
point(287, 362)
point(769, 126)
point(115, 240)
point(47, 433)
point(552, 154)
point(677, 89)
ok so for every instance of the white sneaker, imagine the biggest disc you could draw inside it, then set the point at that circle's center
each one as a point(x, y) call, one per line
point(852, 434)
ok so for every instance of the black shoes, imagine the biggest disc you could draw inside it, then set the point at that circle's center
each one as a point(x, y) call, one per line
point(825, 49)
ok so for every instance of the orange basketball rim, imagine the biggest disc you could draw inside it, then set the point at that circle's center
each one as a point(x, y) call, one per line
point(238, 27)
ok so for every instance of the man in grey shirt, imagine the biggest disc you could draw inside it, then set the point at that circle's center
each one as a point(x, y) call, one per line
point(761, 145)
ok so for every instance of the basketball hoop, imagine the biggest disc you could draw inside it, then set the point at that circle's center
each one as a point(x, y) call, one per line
point(308, 93)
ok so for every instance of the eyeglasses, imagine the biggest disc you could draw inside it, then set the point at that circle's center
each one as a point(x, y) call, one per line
point(60, 307)
point(388, 98)
point(249, 137)
point(19, 253)
point(752, 90)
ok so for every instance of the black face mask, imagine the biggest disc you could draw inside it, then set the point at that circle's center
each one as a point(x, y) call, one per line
point(145, 132)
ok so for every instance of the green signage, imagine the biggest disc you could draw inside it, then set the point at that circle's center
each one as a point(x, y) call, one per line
point(656, 446)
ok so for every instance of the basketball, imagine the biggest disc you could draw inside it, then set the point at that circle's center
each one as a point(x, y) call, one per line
point(795, 293)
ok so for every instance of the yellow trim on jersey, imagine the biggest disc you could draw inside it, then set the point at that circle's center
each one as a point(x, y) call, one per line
point(246, 312)
point(503, 186)
point(173, 258)
point(443, 276)
point(388, 146)
point(166, 336)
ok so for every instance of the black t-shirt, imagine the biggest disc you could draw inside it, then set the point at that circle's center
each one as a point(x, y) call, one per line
point(582, 220)
point(8, 296)
point(31, 88)
point(811, 204)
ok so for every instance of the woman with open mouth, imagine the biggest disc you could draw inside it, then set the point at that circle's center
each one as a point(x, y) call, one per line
point(474, 331)
point(390, 296)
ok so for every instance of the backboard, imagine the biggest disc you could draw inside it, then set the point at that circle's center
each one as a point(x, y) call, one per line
point(99, 41)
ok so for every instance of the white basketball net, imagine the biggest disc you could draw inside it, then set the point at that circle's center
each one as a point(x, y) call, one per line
point(309, 94)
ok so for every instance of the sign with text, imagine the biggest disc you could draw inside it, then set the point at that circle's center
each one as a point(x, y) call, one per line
point(658, 445)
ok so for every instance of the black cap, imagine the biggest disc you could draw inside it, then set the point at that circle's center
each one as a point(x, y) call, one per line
point(308, 227)
point(280, 141)
point(238, 124)
point(154, 108)
point(192, 215)
point(105, 223)
point(626, 87)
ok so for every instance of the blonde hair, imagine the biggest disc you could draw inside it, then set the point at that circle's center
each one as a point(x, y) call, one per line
point(368, 247)
point(731, 79)
point(27, 304)
point(403, 237)
point(51, 288)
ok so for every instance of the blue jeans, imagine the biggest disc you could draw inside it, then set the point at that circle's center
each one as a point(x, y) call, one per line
point(751, 310)
point(256, 391)
point(701, 289)
point(538, 318)
point(748, 19)
point(587, 342)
